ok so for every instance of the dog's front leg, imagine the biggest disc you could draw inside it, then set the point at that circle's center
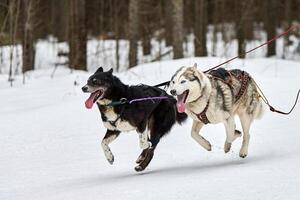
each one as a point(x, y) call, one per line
point(108, 138)
point(143, 140)
point(196, 136)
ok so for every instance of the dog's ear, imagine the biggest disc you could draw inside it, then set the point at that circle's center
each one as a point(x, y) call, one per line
point(100, 69)
point(195, 65)
point(111, 70)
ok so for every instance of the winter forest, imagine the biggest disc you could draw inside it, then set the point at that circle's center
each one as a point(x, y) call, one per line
point(123, 34)
point(55, 145)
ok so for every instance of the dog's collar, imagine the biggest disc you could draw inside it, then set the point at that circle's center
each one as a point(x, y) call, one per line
point(122, 101)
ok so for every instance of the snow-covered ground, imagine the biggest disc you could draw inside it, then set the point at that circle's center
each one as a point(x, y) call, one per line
point(50, 144)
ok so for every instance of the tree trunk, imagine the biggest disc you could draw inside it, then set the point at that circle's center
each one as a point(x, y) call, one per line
point(145, 25)
point(240, 9)
point(270, 24)
point(286, 23)
point(200, 27)
point(133, 32)
point(117, 35)
point(27, 41)
point(77, 35)
point(168, 22)
point(177, 28)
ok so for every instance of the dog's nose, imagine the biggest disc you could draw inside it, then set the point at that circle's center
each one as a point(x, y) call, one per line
point(84, 89)
point(173, 92)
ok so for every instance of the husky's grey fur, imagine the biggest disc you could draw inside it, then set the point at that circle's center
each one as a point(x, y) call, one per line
point(202, 88)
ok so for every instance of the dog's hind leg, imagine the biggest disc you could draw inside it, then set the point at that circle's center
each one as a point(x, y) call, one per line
point(246, 122)
point(231, 133)
point(108, 138)
point(197, 137)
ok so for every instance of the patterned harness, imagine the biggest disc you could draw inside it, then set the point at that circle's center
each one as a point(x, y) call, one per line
point(226, 77)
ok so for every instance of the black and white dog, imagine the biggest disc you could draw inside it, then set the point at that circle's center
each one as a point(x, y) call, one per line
point(152, 119)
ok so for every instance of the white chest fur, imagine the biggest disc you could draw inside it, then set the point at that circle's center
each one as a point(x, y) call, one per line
point(113, 123)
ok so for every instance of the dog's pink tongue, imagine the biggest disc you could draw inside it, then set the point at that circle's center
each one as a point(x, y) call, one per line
point(90, 101)
point(180, 105)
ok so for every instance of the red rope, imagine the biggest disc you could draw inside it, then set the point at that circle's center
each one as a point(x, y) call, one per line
point(261, 45)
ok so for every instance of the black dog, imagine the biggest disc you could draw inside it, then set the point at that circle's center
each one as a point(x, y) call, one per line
point(152, 119)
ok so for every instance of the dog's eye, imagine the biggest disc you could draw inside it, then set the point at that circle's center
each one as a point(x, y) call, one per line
point(173, 82)
point(94, 81)
point(183, 81)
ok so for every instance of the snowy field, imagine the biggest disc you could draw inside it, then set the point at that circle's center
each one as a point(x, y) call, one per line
point(50, 144)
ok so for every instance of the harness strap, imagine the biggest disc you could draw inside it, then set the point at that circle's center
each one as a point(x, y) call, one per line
point(244, 79)
point(202, 116)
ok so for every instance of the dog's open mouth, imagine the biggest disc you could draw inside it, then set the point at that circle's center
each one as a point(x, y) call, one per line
point(93, 98)
point(181, 101)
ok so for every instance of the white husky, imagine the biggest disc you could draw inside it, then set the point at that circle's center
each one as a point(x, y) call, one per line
point(217, 97)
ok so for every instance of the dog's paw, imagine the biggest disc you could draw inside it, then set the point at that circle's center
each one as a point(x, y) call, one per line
point(227, 147)
point(243, 153)
point(110, 157)
point(208, 148)
point(139, 168)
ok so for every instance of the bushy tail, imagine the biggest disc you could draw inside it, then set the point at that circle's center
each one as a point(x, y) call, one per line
point(180, 117)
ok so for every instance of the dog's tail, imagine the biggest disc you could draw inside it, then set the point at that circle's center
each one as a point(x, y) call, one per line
point(180, 117)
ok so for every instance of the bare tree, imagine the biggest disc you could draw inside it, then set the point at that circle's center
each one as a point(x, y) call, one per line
point(133, 32)
point(29, 25)
point(14, 8)
point(286, 23)
point(168, 22)
point(270, 24)
point(117, 33)
point(200, 27)
point(239, 26)
point(4, 14)
point(145, 25)
point(77, 34)
point(177, 28)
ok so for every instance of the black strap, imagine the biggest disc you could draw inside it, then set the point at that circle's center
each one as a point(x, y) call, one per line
point(162, 84)
point(122, 101)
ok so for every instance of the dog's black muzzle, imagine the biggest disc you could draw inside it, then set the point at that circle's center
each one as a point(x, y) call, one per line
point(85, 89)
point(173, 92)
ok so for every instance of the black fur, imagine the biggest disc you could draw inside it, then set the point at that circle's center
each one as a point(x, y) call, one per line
point(220, 73)
point(158, 115)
